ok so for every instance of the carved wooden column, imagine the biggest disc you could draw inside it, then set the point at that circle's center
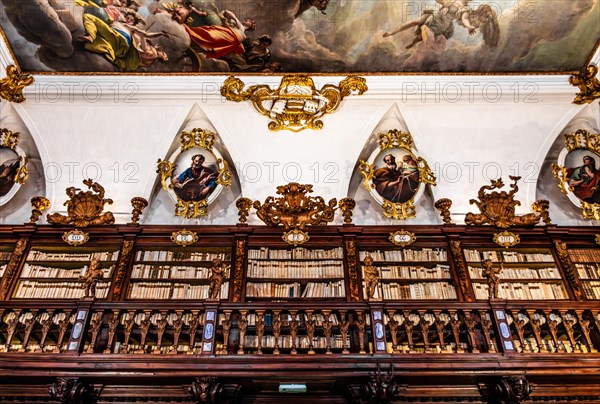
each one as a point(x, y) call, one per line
point(121, 270)
point(460, 266)
point(353, 269)
point(569, 269)
point(12, 267)
point(239, 269)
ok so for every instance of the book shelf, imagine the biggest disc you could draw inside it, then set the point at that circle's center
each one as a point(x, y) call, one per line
point(410, 274)
point(5, 253)
point(587, 264)
point(295, 273)
point(527, 274)
point(52, 272)
point(176, 273)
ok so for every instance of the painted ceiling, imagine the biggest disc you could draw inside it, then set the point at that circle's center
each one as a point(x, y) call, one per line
point(310, 36)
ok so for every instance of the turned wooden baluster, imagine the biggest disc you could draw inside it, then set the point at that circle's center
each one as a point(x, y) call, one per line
point(536, 324)
point(439, 327)
point(455, 324)
point(553, 327)
point(276, 324)
point(520, 327)
point(144, 328)
point(194, 322)
point(260, 330)
point(128, 321)
point(486, 324)
point(11, 327)
point(471, 322)
point(424, 326)
point(569, 321)
point(113, 323)
point(408, 327)
point(585, 328)
point(95, 325)
point(344, 325)
point(46, 326)
point(177, 327)
point(243, 325)
point(226, 325)
point(393, 326)
point(327, 325)
point(63, 326)
point(360, 325)
point(29, 323)
point(310, 330)
point(161, 326)
point(293, 330)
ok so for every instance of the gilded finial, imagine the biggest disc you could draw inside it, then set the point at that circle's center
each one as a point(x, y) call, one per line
point(443, 205)
point(38, 204)
point(347, 206)
point(139, 204)
point(244, 205)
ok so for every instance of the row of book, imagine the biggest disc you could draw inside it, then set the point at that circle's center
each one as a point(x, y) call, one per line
point(418, 291)
point(291, 290)
point(296, 269)
point(591, 289)
point(56, 290)
point(5, 255)
point(39, 271)
point(2, 269)
point(302, 342)
point(167, 290)
point(401, 272)
point(524, 291)
point(424, 254)
point(507, 256)
point(588, 271)
point(580, 255)
point(519, 273)
point(162, 255)
point(38, 255)
point(295, 253)
point(170, 272)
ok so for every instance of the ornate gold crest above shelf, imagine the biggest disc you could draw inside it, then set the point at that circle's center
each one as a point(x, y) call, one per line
point(197, 186)
point(11, 86)
point(578, 172)
point(394, 173)
point(588, 84)
point(498, 208)
point(13, 165)
point(296, 104)
point(84, 208)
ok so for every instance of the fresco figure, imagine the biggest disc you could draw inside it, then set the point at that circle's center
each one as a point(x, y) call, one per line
point(122, 43)
point(8, 172)
point(397, 183)
point(585, 180)
point(197, 182)
point(432, 24)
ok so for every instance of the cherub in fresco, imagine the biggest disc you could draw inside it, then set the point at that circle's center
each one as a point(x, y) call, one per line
point(440, 23)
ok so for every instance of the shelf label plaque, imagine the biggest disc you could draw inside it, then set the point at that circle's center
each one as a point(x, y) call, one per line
point(506, 239)
point(75, 237)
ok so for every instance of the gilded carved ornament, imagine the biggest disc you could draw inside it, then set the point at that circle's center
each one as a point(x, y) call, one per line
point(498, 208)
point(11, 86)
point(589, 85)
point(402, 142)
point(296, 104)
point(84, 208)
point(38, 205)
point(584, 142)
point(193, 204)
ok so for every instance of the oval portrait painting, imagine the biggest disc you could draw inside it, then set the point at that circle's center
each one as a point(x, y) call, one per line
point(195, 176)
point(9, 169)
point(583, 175)
point(396, 176)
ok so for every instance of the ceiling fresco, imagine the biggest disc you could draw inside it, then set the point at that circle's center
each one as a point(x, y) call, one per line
point(301, 36)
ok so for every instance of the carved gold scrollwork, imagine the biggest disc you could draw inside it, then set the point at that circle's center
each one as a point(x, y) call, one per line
point(585, 141)
point(589, 85)
point(569, 268)
point(121, 269)
point(10, 140)
point(296, 104)
point(11, 268)
point(11, 86)
point(38, 205)
point(498, 208)
point(240, 251)
point(84, 208)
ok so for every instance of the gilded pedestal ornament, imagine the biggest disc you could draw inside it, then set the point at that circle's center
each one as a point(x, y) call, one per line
point(84, 208)
point(244, 205)
point(38, 205)
point(139, 204)
point(296, 104)
point(13, 165)
point(588, 83)
point(194, 175)
point(578, 172)
point(498, 208)
point(443, 205)
point(394, 173)
point(347, 206)
point(11, 86)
